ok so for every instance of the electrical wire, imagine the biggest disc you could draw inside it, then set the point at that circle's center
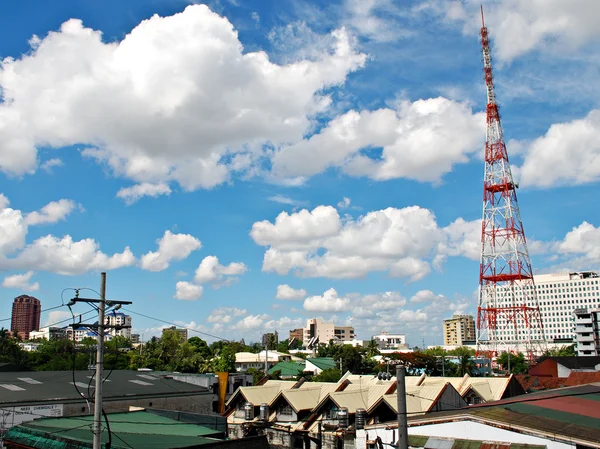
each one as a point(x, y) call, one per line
point(177, 325)
point(27, 313)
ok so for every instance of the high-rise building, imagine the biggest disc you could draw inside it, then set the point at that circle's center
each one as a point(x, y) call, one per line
point(587, 331)
point(26, 312)
point(559, 295)
point(270, 338)
point(324, 332)
point(458, 330)
point(118, 319)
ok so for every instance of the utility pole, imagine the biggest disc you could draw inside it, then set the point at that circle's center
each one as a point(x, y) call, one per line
point(443, 366)
point(402, 417)
point(100, 328)
point(508, 362)
point(97, 429)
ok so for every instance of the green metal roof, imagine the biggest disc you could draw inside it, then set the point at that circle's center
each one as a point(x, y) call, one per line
point(323, 362)
point(288, 369)
point(133, 429)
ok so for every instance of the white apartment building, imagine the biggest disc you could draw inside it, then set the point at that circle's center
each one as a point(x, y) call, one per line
point(559, 295)
point(587, 331)
point(316, 328)
point(118, 319)
point(48, 333)
point(390, 341)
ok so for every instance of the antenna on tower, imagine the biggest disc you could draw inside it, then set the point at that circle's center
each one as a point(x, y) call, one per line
point(482, 20)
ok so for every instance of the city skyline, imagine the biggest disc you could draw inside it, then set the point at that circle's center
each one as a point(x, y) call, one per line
point(336, 176)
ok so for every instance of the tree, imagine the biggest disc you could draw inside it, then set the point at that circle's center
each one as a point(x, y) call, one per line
point(372, 348)
point(225, 360)
point(201, 347)
point(518, 364)
point(465, 365)
point(271, 341)
point(328, 375)
point(564, 351)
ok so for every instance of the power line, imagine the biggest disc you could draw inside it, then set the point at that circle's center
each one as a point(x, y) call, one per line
point(28, 313)
point(177, 325)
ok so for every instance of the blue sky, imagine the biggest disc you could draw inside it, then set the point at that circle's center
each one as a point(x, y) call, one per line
point(239, 167)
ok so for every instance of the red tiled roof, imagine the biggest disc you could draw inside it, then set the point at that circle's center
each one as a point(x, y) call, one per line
point(535, 383)
point(582, 378)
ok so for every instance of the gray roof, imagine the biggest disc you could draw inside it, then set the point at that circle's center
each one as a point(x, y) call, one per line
point(31, 387)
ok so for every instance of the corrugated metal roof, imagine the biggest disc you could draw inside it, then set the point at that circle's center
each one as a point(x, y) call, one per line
point(439, 443)
point(302, 399)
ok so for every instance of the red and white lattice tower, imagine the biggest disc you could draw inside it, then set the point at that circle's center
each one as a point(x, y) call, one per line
point(508, 314)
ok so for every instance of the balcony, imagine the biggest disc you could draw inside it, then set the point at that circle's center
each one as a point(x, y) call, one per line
point(585, 337)
point(584, 329)
point(586, 320)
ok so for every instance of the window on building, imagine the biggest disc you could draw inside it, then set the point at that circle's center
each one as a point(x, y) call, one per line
point(286, 409)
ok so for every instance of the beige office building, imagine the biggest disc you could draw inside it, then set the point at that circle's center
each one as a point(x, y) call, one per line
point(458, 330)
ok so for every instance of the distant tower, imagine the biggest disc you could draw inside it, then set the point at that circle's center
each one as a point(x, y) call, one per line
point(25, 315)
point(508, 314)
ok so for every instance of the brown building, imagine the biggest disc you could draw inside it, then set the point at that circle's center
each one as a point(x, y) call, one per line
point(458, 330)
point(25, 315)
point(297, 334)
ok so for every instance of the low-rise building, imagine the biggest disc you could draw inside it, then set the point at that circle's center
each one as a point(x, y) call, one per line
point(33, 394)
point(119, 319)
point(390, 341)
point(563, 366)
point(587, 331)
point(48, 333)
point(247, 360)
point(566, 418)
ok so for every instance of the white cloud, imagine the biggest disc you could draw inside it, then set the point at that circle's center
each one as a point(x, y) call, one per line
point(568, 154)
point(225, 315)
point(57, 316)
point(21, 282)
point(67, 257)
point(522, 26)
point(283, 325)
point(251, 322)
point(188, 291)
point(170, 247)
point(210, 270)
point(317, 244)
point(286, 200)
point(344, 204)
point(134, 193)
point(48, 165)
point(13, 228)
point(286, 292)
point(51, 212)
point(123, 100)
point(328, 302)
point(423, 296)
point(372, 19)
point(421, 140)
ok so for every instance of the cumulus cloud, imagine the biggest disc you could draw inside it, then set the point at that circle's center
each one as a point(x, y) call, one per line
point(423, 296)
point(420, 140)
point(327, 302)
point(317, 244)
point(568, 154)
point(61, 255)
point(251, 322)
point(210, 270)
point(170, 247)
point(21, 282)
point(68, 257)
point(134, 193)
point(225, 314)
point(51, 212)
point(522, 26)
point(57, 317)
point(148, 125)
point(286, 292)
point(188, 291)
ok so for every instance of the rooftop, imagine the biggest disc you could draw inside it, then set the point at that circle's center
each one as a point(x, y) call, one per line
point(568, 414)
point(31, 387)
point(129, 430)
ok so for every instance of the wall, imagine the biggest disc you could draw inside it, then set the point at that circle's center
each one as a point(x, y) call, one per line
point(463, 429)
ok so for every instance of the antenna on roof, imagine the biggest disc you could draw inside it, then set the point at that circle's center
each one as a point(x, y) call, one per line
point(482, 20)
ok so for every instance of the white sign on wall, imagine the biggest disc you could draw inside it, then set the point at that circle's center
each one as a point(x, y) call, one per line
point(13, 416)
